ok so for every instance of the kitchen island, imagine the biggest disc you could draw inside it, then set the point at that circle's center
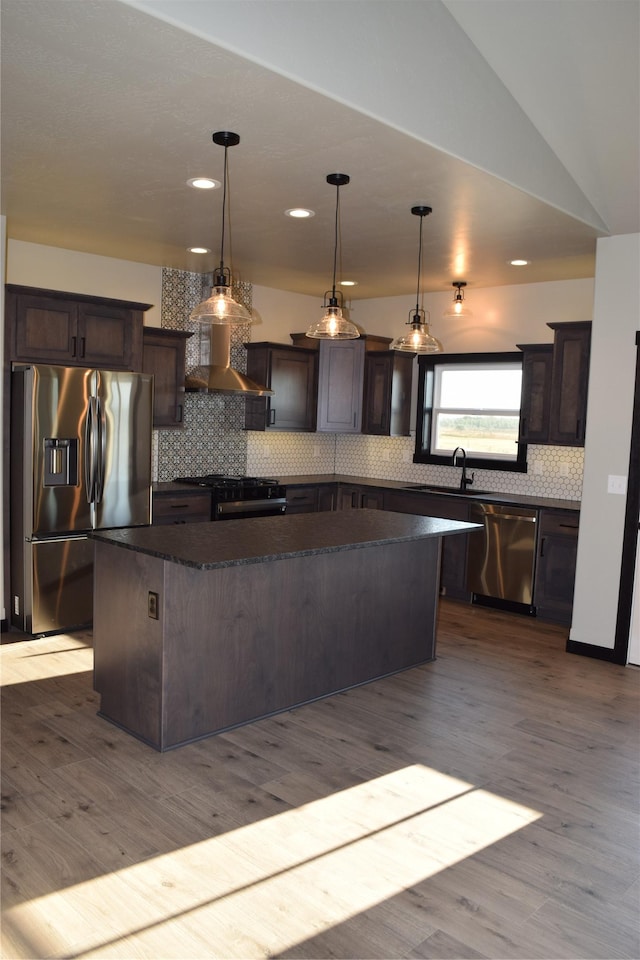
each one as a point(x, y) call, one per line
point(202, 627)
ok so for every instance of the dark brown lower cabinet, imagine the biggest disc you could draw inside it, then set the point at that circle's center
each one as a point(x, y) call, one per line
point(353, 497)
point(302, 499)
point(181, 508)
point(556, 565)
point(453, 565)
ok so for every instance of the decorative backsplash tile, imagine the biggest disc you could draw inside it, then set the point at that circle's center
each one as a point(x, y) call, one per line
point(288, 454)
point(213, 439)
point(553, 471)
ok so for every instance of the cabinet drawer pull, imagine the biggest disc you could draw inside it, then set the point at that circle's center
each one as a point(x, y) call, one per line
point(179, 506)
point(569, 526)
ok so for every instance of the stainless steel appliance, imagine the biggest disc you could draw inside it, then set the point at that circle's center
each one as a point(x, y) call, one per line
point(240, 497)
point(501, 557)
point(80, 461)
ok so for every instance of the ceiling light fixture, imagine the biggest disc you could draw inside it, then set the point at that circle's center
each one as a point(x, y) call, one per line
point(419, 340)
point(221, 307)
point(198, 250)
point(203, 183)
point(333, 325)
point(458, 307)
point(299, 213)
point(519, 263)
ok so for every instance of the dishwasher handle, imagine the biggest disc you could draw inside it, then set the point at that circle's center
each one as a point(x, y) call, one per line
point(508, 516)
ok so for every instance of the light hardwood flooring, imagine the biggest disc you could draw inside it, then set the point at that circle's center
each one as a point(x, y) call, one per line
point(484, 805)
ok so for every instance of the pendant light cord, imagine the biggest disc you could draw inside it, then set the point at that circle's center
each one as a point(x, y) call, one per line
point(224, 208)
point(419, 267)
point(335, 242)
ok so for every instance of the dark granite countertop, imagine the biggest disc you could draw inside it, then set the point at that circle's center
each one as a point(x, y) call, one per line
point(515, 499)
point(314, 479)
point(207, 546)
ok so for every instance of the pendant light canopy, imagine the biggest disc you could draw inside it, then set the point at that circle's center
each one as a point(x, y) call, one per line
point(458, 307)
point(333, 325)
point(221, 307)
point(418, 339)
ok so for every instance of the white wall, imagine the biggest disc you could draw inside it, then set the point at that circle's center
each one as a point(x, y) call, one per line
point(53, 268)
point(502, 316)
point(616, 319)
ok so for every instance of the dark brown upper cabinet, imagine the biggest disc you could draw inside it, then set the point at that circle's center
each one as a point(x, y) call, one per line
point(48, 326)
point(350, 400)
point(291, 372)
point(569, 383)
point(555, 378)
point(163, 355)
point(387, 393)
point(537, 366)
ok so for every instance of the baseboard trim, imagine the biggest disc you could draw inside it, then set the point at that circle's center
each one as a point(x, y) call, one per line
point(592, 650)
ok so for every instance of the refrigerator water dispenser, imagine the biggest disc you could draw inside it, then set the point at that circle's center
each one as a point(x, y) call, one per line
point(60, 462)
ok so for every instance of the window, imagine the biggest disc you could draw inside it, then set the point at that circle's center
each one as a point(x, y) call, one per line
point(471, 401)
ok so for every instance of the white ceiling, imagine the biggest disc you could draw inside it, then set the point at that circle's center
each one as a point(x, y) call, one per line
point(516, 121)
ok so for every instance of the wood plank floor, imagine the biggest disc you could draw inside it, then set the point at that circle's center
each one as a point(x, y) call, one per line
point(485, 805)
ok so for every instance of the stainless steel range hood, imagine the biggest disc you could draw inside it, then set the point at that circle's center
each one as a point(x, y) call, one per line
point(218, 376)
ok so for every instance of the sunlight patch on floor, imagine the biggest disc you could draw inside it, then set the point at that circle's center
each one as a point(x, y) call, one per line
point(265, 887)
point(41, 659)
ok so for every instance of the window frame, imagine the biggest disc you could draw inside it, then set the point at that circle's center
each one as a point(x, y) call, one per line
point(424, 417)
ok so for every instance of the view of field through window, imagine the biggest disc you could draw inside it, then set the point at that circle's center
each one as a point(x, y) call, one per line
point(478, 409)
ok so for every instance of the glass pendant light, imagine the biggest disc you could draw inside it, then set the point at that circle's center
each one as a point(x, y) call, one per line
point(221, 307)
point(333, 325)
point(458, 307)
point(419, 339)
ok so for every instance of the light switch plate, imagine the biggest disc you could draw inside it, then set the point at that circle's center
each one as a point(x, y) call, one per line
point(616, 484)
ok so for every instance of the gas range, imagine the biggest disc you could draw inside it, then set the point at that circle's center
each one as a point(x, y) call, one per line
point(236, 497)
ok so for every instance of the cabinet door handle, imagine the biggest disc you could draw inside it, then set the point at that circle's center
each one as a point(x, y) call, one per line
point(578, 423)
point(569, 526)
point(354, 502)
point(74, 343)
point(523, 427)
point(272, 417)
point(179, 413)
point(82, 346)
point(542, 546)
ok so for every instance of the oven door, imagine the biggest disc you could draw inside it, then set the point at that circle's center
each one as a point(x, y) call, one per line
point(237, 509)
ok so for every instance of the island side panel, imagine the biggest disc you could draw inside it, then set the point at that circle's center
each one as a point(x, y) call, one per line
point(128, 645)
point(247, 641)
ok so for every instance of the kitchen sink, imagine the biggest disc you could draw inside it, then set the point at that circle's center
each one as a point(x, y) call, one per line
point(428, 488)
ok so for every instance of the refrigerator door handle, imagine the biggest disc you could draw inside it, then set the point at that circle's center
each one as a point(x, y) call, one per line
point(91, 448)
point(101, 449)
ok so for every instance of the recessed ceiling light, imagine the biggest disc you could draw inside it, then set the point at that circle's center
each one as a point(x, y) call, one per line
point(300, 213)
point(348, 283)
point(198, 249)
point(204, 183)
point(519, 263)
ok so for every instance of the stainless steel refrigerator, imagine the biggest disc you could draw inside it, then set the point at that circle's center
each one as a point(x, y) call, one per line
point(80, 461)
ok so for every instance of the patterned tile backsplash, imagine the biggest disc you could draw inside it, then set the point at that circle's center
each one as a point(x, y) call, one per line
point(213, 439)
point(553, 471)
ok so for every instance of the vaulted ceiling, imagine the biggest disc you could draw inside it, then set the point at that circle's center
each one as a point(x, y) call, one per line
point(517, 122)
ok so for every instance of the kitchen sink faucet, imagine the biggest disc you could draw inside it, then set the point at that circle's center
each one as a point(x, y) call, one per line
point(465, 481)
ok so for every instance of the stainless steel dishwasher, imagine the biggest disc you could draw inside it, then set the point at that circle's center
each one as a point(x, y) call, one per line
point(501, 558)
